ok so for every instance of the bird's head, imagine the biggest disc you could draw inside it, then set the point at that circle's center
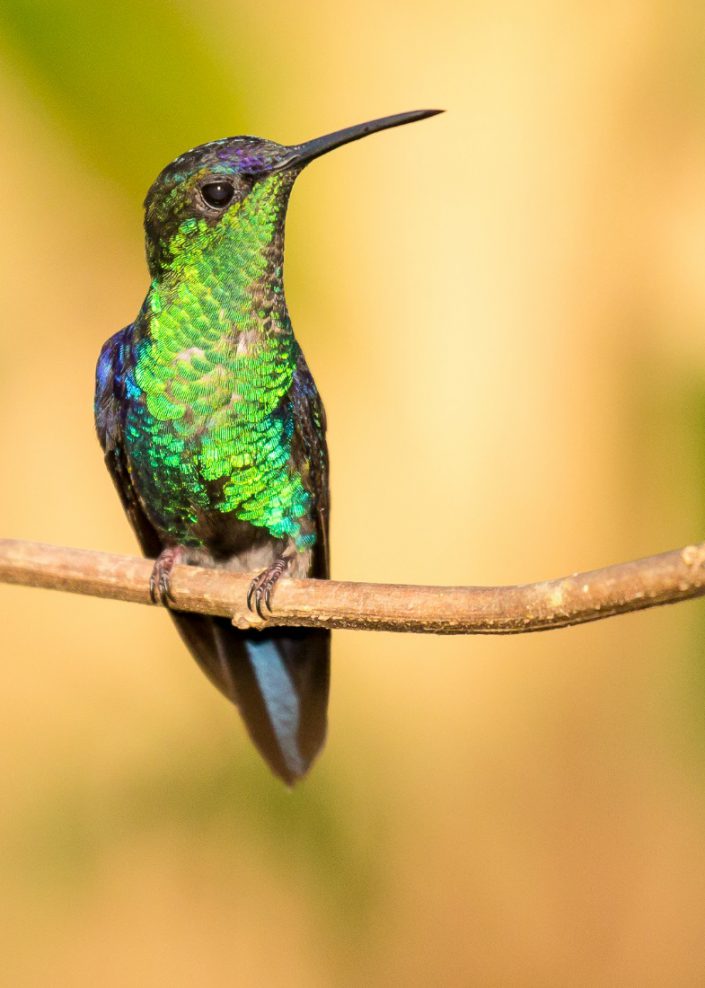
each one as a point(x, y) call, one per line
point(233, 189)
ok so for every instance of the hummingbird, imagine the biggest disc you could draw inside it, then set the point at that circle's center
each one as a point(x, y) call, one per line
point(214, 432)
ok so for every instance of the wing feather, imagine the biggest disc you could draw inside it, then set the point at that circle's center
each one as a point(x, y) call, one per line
point(311, 455)
point(109, 405)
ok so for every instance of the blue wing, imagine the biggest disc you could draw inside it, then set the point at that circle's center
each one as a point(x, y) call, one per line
point(109, 411)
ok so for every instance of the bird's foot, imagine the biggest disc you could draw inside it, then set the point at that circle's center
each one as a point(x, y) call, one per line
point(260, 591)
point(160, 580)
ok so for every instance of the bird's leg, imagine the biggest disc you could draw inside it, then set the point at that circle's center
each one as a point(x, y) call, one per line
point(260, 591)
point(159, 581)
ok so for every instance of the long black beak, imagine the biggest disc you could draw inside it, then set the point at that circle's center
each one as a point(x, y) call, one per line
point(301, 154)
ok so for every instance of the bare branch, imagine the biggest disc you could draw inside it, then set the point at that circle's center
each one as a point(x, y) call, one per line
point(663, 579)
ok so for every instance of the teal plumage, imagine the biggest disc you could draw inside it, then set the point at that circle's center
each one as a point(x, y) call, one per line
point(213, 429)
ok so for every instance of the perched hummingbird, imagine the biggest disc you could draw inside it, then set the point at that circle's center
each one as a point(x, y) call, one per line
point(214, 432)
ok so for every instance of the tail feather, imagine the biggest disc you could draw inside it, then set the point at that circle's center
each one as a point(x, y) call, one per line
point(278, 679)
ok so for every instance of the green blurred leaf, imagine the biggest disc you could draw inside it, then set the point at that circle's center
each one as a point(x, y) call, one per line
point(212, 796)
point(135, 83)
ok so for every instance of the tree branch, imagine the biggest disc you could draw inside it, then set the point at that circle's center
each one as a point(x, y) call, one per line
point(663, 579)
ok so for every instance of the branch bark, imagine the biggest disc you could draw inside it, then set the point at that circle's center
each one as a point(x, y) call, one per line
point(664, 579)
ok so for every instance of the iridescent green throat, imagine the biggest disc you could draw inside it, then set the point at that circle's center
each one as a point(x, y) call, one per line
point(208, 425)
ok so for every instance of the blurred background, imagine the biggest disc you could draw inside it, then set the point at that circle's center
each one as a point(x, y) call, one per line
point(504, 308)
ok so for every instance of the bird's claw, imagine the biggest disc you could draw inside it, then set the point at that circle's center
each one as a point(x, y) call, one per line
point(259, 595)
point(160, 578)
point(251, 593)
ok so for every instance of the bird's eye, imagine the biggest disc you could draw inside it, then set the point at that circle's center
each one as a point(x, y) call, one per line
point(217, 194)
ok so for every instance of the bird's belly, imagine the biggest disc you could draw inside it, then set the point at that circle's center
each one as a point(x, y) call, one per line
point(215, 481)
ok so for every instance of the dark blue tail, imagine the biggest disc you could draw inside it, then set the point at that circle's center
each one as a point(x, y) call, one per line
point(278, 679)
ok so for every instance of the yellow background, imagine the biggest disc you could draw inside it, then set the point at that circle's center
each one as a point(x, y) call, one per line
point(504, 309)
